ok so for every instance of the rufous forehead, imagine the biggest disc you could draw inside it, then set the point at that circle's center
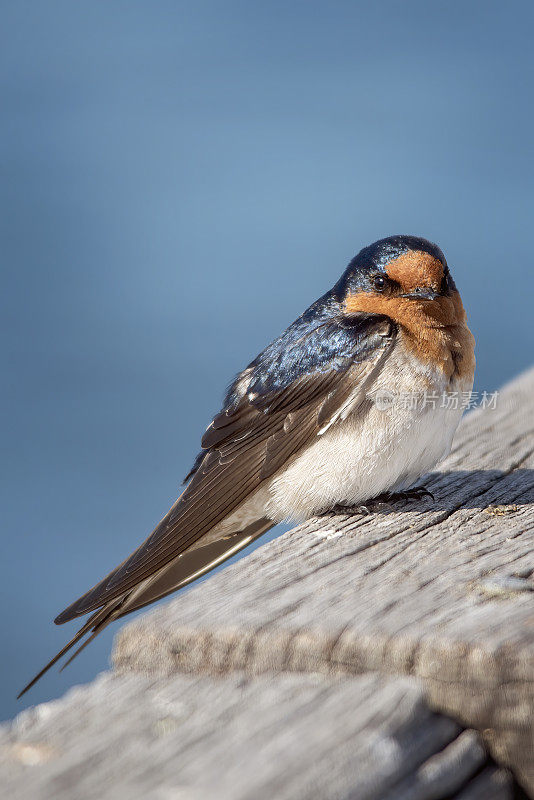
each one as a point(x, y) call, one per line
point(416, 269)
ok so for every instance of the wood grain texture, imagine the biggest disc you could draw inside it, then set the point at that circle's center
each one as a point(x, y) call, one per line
point(289, 737)
point(442, 590)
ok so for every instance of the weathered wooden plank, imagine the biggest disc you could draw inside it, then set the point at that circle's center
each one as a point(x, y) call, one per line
point(285, 736)
point(441, 590)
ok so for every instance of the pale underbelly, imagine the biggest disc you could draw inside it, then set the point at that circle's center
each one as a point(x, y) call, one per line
point(372, 451)
point(354, 461)
point(375, 449)
point(361, 458)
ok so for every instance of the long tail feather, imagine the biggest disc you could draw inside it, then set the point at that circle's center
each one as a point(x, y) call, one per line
point(98, 629)
point(179, 573)
point(96, 622)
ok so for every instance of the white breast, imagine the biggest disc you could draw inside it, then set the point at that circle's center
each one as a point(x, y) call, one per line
point(374, 450)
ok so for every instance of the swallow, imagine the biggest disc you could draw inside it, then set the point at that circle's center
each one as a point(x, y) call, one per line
point(300, 431)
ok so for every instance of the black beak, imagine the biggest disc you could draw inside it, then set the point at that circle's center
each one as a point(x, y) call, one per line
point(422, 294)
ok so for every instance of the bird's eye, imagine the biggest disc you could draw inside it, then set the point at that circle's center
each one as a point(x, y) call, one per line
point(379, 282)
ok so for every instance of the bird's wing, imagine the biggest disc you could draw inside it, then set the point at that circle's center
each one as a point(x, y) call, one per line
point(245, 444)
point(268, 420)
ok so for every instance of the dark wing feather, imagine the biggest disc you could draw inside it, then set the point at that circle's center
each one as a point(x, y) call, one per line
point(246, 443)
point(193, 564)
point(219, 486)
point(283, 399)
point(182, 571)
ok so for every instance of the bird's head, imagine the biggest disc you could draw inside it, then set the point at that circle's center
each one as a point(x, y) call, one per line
point(405, 268)
point(407, 280)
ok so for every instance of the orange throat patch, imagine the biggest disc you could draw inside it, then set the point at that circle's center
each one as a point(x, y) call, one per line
point(435, 331)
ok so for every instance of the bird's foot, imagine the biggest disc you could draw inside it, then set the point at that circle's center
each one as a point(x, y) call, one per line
point(417, 493)
point(376, 504)
point(382, 501)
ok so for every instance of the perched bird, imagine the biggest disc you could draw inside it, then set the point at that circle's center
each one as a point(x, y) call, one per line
point(302, 432)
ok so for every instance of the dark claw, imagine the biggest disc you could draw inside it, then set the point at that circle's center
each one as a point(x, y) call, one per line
point(421, 491)
point(381, 501)
point(365, 509)
point(417, 493)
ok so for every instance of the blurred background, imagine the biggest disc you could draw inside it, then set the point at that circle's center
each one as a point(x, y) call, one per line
point(179, 181)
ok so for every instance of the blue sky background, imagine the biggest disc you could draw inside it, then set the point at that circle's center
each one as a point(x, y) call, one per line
point(179, 181)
